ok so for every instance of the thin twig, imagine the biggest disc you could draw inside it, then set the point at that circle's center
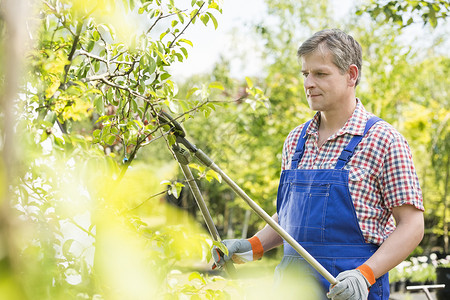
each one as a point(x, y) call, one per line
point(49, 5)
point(154, 139)
point(154, 24)
point(146, 200)
point(119, 54)
point(76, 39)
point(88, 54)
point(81, 227)
point(185, 27)
point(203, 104)
point(108, 53)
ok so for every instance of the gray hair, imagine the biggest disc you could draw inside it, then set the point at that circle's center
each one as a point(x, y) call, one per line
point(346, 51)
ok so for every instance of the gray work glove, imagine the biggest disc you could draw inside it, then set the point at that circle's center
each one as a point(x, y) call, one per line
point(239, 251)
point(352, 286)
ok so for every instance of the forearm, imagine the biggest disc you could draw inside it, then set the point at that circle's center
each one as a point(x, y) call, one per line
point(399, 244)
point(269, 238)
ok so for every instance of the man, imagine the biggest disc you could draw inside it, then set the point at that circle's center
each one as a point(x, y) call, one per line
point(348, 192)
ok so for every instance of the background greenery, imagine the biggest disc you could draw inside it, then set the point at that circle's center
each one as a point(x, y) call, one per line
point(93, 204)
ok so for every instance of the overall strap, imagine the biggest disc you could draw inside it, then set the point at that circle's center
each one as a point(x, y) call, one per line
point(300, 149)
point(347, 153)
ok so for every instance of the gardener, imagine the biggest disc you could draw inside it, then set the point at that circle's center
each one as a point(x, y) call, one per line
point(348, 192)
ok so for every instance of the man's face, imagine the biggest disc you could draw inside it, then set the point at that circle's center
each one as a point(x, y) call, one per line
point(325, 87)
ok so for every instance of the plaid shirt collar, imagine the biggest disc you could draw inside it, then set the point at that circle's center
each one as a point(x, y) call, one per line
point(355, 124)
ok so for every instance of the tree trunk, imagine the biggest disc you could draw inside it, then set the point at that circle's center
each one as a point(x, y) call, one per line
point(444, 200)
point(230, 229)
point(245, 227)
point(13, 19)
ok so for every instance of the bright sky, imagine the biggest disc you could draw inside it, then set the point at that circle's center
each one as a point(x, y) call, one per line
point(209, 43)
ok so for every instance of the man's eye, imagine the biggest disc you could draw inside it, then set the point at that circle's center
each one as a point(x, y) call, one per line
point(321, 74)
point(305, 75)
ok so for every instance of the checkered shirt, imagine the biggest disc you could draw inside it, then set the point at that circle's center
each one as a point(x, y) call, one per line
point(382, 174)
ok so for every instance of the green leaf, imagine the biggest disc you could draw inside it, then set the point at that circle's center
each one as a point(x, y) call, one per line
point(125, 4)
point(191, 92)
point(215, 175)
point(193, 13)
point(163, 35)
point(44, 136)
point(172, 139)
point(108, 29)
point(213, 5)
point(174, 191)
point(90, 45)
point(184, 52)
point(204, 19)
point(151, 65)
point(96, 133)
point(184, 105)
point(179, 186)
point(187, 42)
point(213, 19)
point(221, 247)
point(96, 66)
point(433, 20)
point(207, 112)
point(96, 35)
point(216, 85)
point(179, 57)
point(59, 141)
point(410, 21)
point(164, 76)
point(196, 275)
point(173, 106)
point(53, 87)
point(50, 117)
point(134, 105)
point(104, 119)
point(181, 17)
point(110, 139)
point(200, 168)
point(161, 56)
point(66, 246)
point(249, 82)
point(143, 61)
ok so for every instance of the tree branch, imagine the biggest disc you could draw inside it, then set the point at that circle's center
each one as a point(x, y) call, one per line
point(72, 51)
point(185, 27)
point(145, 201)
point(81, 227)
point(154, 24)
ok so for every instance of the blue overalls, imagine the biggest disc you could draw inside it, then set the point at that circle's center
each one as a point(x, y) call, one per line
point(315, 208)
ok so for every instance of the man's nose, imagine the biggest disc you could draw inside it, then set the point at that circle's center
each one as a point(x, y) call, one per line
point(309, 82)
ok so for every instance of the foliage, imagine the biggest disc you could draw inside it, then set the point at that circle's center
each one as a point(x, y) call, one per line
point(404, 84)
point(420, 269)
point(90, 227)
point(95, 157)
point(404, 13)
point(124, 77)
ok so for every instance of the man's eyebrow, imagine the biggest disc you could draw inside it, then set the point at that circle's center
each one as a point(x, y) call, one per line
point(318, 70)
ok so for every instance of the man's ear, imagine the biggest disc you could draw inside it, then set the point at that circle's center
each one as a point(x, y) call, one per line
point(353, 73)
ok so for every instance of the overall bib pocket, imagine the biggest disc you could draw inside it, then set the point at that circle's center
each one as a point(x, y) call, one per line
point(300, 210)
